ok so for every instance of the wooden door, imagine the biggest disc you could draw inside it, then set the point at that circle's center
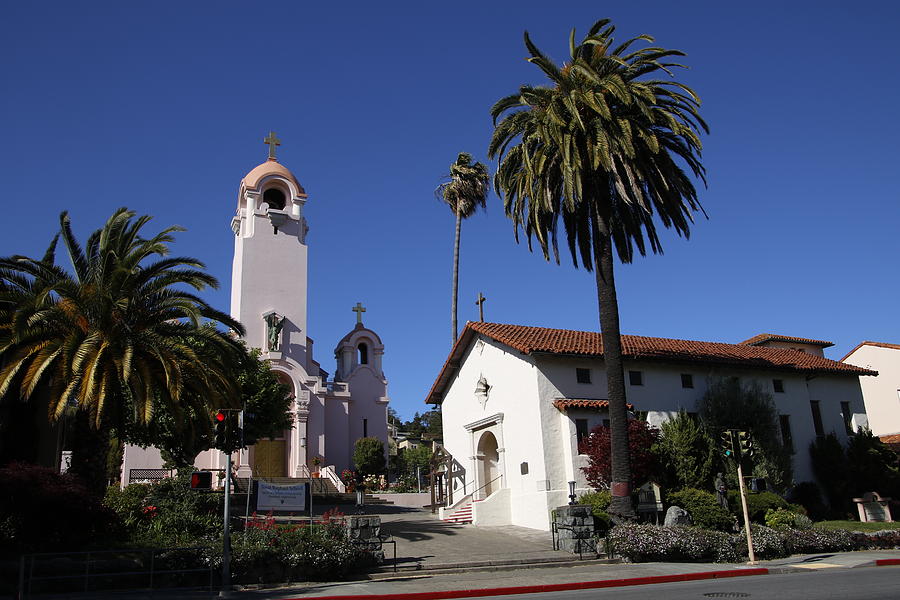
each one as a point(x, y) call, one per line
point(270, 459)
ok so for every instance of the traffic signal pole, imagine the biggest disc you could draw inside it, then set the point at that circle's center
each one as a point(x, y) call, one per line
point(735, 444)
point(740, 473)
point(225, 591)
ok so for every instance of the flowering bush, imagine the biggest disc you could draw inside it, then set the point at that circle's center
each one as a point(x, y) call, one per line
point(272, 553)
point(167, 513)
point(642, 543)
point(821, 540)
point(645, 542)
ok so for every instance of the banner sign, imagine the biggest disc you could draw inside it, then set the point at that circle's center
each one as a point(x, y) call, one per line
point(282, 497)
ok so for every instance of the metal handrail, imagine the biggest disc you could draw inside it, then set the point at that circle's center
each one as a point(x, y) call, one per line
point(475, 493)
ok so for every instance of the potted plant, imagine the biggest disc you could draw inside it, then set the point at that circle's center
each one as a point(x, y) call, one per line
point(316, 461)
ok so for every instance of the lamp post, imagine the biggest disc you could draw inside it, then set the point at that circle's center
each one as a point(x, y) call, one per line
point(360, 501)
point(571, 493)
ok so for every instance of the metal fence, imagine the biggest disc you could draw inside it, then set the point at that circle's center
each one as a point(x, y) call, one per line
point(148, 475)
point(150, 568)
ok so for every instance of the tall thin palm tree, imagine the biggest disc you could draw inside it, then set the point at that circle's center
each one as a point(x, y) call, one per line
point(111, 338)
point(601, 148)
point(467, 188)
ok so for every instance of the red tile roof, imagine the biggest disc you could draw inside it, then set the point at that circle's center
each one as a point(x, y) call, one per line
point(892, 441)
point(562, 404)
point(774, 337)
point(868, 343)
point(541, 340)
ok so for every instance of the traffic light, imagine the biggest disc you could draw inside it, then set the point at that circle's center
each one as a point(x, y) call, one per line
point(234, 432)
point(221, 426)
point(248, 429)
point(746, 443)
point(201, 480)
point(728, 443)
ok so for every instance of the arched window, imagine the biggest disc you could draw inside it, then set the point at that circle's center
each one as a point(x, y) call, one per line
point(363, 354)
point(274, 198)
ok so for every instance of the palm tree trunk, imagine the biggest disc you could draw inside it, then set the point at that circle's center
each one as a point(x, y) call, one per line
point(620, 487)
point(453, 300)
point(90, 449)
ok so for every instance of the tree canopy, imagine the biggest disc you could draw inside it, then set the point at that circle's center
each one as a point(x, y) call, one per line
point(117, 336)
point(602, 150)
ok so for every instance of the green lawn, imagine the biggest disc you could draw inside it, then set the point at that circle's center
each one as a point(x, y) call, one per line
point(856, 525)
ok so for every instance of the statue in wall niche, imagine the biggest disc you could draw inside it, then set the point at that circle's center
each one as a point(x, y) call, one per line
point(274, 325)
point(721, 491)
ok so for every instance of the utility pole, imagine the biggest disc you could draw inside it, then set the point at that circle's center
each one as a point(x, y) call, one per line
point(735, 444)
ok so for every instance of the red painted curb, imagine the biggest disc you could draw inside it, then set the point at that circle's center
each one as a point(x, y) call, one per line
point(550, 587)
point(884, 562)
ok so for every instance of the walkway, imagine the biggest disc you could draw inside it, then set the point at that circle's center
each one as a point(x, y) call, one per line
point(426, 542)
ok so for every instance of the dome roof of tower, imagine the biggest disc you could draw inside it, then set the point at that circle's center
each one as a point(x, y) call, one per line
point(270, 167)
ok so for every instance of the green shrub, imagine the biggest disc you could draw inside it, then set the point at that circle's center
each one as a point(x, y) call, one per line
point(758, 503)
point(784, 518)
point(44, 511)
point(704, 509)
point(599, 502)
point(168, 513)
point(808, 495)
point(280, 554)
point(686, 453)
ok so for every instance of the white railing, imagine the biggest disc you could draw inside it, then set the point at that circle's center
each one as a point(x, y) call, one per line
point(331, 475)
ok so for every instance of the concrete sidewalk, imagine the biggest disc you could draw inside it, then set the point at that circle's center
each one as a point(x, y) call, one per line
point(441, 560)
point(424, 542)
point(606, 575)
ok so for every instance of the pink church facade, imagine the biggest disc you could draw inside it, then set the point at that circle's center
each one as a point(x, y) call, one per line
point(269, 297)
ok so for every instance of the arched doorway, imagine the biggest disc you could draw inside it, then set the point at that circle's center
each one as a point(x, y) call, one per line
point(270, 456)
point(489, 467)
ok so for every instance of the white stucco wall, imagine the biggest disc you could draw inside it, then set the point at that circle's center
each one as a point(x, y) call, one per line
point(513, 395)
point(523, 389)
point(881, 393)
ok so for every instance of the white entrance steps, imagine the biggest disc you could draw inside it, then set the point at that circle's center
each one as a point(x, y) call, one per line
point(462, 514)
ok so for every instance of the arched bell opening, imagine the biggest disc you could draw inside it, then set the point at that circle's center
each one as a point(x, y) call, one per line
point(275, 198)
point(363, 357)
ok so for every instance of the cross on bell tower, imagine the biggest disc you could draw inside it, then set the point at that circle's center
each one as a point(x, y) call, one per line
point(359, 310)
point(272, 141)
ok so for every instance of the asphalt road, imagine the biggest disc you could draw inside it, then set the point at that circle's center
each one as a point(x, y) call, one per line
point(882, 583)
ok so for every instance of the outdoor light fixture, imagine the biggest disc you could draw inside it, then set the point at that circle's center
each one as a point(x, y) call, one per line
point(360, 501)
point(571, 493)
point(303, 442)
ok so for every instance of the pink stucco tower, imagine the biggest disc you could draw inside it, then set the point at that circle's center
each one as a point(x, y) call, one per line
point(269, 296)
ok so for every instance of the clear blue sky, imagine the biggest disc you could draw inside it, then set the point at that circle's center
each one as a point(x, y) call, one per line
point(162, 107)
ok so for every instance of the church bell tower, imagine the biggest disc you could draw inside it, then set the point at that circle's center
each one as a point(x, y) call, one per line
point(269, 274)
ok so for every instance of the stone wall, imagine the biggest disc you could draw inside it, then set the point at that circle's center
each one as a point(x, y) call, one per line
point(576, 529)
point(365, 531)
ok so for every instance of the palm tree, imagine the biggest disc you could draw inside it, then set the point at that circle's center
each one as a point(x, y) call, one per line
point(112, 339)
point(466, 190)
point(599, 148)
